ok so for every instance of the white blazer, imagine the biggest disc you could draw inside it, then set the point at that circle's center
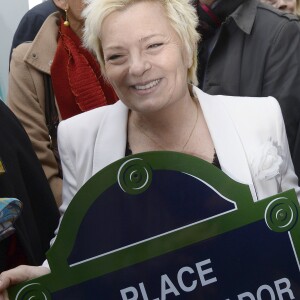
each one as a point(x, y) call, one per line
point(248, 134)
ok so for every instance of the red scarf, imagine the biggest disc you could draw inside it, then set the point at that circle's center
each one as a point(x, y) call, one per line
point(76, 77)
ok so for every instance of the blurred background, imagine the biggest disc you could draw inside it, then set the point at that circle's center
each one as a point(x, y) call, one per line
point(10, 15)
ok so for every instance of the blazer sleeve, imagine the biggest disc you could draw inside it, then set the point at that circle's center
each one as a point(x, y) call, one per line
point(26, 98)
point(67, 156)
point(289, 179)
point(267, 149)
point(69, 189)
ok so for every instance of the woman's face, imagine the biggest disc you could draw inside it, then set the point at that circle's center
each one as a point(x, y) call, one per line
point(74, 9)
point(286, 5)
point(144, 57)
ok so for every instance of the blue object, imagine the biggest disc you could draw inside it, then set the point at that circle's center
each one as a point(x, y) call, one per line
point(10, 209)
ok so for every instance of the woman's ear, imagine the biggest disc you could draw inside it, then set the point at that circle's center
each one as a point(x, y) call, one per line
point(188, 57)
point(190, 61)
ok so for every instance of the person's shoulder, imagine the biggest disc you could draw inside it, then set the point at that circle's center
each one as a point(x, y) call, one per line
point(42, 9)
point(20, 51)
point(240, 105)
point(253, 107)
point(35, 17)
point(265, 24)
point(46, 34)
point(251, 101)
point(6, 114)
point(238, 102)
point(254, 116)
point(273, 26)
point(86, 127)
point(31, 22)
point(10, 124)
point(91, 120)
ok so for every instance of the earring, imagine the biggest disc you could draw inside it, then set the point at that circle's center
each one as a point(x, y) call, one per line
point(66, 23)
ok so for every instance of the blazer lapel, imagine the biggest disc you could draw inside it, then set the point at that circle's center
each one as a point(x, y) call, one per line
point(111, 138)
point(227, 142)
point(110, 144)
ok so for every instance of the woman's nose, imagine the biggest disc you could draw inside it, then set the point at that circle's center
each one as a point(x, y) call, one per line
point(139, 65)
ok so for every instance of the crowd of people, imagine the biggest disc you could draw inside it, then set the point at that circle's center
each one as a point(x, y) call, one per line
point(53, 78)
point(215, 79)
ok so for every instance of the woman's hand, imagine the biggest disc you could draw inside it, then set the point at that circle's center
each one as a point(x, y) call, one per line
point(17, 275)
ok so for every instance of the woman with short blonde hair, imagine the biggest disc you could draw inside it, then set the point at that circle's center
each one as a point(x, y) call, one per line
point(148, 53)
point(182, 18)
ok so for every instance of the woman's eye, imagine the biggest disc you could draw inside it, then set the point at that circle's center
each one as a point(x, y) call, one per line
point(153, 46)
point(113, 57)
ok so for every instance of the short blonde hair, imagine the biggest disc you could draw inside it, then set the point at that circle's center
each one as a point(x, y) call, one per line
point(181, 13)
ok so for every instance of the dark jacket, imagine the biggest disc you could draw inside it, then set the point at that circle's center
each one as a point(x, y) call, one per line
point(25, 180)
point(31, 23)
point(257, 53)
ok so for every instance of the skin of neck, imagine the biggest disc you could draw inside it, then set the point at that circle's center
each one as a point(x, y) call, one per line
point(77, 27)
point(167, 120)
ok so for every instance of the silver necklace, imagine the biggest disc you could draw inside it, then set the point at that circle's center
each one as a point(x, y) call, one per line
point(161, 146)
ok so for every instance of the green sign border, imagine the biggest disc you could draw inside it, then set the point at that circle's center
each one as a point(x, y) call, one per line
point(134, 173)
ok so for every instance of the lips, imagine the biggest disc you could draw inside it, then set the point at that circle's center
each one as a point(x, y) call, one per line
point(147, 86)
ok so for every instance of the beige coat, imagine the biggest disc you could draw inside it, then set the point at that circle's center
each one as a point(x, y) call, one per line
point(26, 94)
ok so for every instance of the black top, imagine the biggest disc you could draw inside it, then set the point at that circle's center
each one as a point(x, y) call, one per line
point(215, 161)
point(25, 180)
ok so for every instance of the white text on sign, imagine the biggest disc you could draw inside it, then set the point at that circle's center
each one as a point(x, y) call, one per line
point(187, 284)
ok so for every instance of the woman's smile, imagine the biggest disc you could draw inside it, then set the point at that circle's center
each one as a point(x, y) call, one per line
point(147, 85)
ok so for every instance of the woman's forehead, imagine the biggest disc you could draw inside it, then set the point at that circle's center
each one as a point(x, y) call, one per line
point(141, 16)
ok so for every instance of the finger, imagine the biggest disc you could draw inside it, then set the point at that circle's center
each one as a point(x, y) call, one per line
point(6, 295)
point(4, 284)
point(20, 274)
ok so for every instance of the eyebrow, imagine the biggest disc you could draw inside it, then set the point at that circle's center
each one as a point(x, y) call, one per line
point(113, 48)
point(143, 39)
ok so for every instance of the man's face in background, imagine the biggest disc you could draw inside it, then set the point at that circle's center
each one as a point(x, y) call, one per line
point(286, 5)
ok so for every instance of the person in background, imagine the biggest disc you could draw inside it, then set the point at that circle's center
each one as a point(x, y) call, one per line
point(148, 52)
point(285, 5)
point(298, 8)
point(252, 49)
point(24, 179)
point(53, 78)
point(31, 23)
